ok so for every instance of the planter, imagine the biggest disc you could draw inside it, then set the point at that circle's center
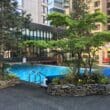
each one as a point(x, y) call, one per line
point(80, 90)
point(8, 83)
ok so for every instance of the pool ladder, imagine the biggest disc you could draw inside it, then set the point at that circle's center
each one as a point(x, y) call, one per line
point(38, 74)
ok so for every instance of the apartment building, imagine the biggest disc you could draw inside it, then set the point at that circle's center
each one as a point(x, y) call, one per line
point(68, 6)
point(93, 6)
point(104, 7)
point(56, 6)
point(38, 10)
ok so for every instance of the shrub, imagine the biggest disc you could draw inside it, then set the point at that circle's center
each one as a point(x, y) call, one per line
point(9, 76)
point(69, 78)
point(56, 81)
point(104, 80)
point(79, 79)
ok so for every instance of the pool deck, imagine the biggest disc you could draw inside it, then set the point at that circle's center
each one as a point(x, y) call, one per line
point(26, 97)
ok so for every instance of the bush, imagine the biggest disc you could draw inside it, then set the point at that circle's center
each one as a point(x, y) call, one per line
point(80, 79)
point(104, 80)
point(56, 81)
point(9, 76)
point(69, 78)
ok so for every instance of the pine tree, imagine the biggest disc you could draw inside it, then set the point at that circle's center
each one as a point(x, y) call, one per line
point(12, 21)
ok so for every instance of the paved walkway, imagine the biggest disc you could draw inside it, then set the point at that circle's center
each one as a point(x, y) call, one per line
point(25, 97)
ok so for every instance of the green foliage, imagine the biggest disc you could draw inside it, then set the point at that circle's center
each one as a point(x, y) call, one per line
point(104, 80)
point(69, 79)
point(11, 24)
point(79, 8)
point(56, 81)
point(58, 19)
point(62, 43)
point(36, 43)
point(80, 79)
point(9, 77)
point(80, 39)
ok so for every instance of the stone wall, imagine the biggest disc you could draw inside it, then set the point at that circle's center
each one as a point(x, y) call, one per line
point(8, 83)
point(81, 90)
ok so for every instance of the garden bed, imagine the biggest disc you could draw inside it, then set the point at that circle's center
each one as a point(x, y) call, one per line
point(8, 83)
point(79, 90)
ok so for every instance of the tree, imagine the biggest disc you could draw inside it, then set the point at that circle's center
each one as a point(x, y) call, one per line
point(79, 9)
point(12, 21)
point(80, 37)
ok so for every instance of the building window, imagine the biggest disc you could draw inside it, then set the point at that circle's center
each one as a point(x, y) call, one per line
point(45, 9)
point(97, 4)
point(108, 27)
point(108, 12)
point(27, 32)
point(108, 20)
point(45, 1)
point(44, 20)
point(50, 35)
point(31, 33)
point(97, 27)
point(35, 34)
point(108, 5)
point(42, 34)
point(38, 33)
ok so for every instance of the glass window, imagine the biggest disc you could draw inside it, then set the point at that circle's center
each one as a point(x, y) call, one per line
point(27, 32)
point(38, 33)
point(41, 34)
point(50, 36)
point(31, 33)
point(108, 12)
point(97, 4)
point(108, 5)
point(35, 33)
point(108, 27)
point(98, 27)
point(23, 32)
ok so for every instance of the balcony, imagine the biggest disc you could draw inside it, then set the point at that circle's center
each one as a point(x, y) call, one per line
point(66, 4)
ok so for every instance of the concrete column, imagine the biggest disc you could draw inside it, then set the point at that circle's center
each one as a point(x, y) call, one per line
point(100, 57)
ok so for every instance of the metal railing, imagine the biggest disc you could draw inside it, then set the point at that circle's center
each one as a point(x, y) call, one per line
point(36, 75)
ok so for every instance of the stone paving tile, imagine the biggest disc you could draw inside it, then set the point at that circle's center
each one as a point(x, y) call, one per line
point(26, 97)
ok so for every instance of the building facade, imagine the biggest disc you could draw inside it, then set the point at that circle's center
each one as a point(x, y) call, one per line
point(38, 10)
point(56, 6)
point(104, 7)
point(94, 6)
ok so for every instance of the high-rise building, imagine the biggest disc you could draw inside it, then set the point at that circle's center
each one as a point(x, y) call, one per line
point(68, 6)
point(38, 10)
point(104, 7)
point(56, 6)
point(94, 6)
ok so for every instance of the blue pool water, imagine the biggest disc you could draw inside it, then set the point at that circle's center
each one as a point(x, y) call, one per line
point(38, 73)
point(106, 72)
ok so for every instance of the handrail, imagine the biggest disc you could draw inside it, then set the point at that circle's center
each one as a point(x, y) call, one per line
point(36, 74)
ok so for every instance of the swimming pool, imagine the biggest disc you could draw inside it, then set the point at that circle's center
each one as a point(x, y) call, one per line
point(106, 71)
point(38, 73)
